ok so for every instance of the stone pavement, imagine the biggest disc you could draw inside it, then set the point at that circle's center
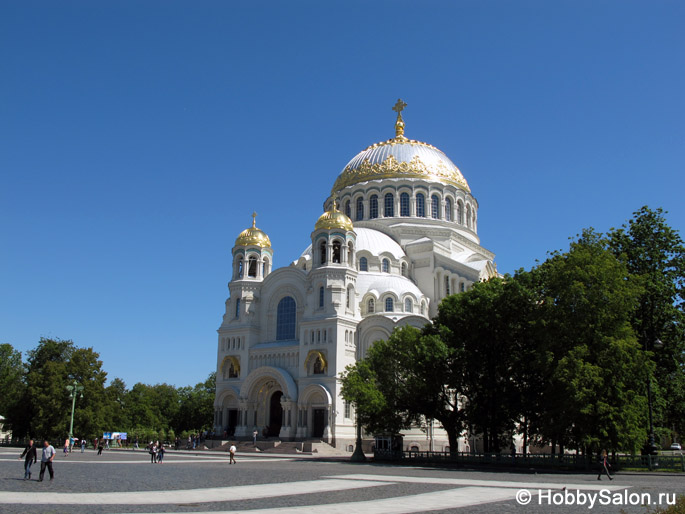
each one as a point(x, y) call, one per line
point(125, 481)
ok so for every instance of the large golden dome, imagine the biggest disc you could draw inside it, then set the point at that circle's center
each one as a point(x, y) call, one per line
point(253, 236)
point(400, 158)
point(333, 218)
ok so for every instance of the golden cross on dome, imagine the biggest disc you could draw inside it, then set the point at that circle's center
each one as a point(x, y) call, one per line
point(334, 197)
point(399, 106)
point(399, 124)
point(254, 220)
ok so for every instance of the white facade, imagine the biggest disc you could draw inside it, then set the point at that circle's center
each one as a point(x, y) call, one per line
point(406, 238)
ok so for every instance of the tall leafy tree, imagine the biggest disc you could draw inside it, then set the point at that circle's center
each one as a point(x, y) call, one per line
point(654, 252)
point(53, 365)
point(596, 392)
point(406, 380)
point(490, 328)
point(13, 389)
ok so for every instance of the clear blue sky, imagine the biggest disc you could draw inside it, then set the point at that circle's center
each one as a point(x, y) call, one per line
point(137, 137)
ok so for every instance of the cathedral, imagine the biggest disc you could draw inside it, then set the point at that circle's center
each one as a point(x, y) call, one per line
point(399, 232)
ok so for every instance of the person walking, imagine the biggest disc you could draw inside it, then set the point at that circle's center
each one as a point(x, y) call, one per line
point(83, 445)
point(46, 460)
point(153, 453)
point(100, 447)
point(31, 458)
point(135, 444)
point(604, 466)
point(254, 437)
point(160, 453)
point(66, 447)
point(231, 453)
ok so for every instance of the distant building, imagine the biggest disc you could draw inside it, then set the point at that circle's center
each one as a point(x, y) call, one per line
point(5, 435)
point(399, 233)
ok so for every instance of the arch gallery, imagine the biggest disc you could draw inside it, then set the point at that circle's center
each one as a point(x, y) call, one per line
point(288, 333)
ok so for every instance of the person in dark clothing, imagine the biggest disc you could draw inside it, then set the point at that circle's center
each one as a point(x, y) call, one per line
point(604, 466)
point(31, 458)
point(100, 448)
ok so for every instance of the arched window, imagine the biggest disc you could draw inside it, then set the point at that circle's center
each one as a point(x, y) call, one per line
point(286, 319)
point(237, 307)
point(435, 207)
point(252, 267)
point(322, 252)
point(389, 206)
point(423, 308)
point(241, 265)
point(408, 305)
point(336, 252)
point(420, 205)
point(468, 216)
point(360, 208)
point(460, 213)
point(389, 304)
point(373, 206)
point(265, 267)
point(404, 204)
point(447, 286)
point(473, 223)
point(348, 209)
point(385, 266)
point(404, 269)
point(363, 264)
point(348, 301)
point(462, 287)
point(448, 209)
point(371, 306)
point(321, 296)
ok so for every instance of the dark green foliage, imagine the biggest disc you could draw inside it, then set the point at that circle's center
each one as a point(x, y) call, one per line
point(654, 253)
point(37, 403)
point(551, 353)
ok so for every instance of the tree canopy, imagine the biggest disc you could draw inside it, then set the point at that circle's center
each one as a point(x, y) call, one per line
point(39, 405)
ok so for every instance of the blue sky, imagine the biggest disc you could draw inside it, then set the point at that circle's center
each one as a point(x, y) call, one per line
point(137, 137)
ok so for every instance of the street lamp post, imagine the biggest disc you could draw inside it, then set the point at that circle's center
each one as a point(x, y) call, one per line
point(74, 389)
point(358, 455)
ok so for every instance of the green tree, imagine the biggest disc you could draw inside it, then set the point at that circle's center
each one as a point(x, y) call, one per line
point(404, 381)
point(489, 328)
point(52, 365)
point(13, 387)
point(654, 252)
point(595, 397)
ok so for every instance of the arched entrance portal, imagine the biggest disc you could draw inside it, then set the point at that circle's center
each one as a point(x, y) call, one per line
point(275, 414)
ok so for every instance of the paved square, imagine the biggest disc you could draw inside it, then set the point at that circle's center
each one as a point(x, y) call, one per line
point(126, 481)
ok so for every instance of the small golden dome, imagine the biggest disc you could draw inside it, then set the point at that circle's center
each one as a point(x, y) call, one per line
point(253, 236)
point(333, 218)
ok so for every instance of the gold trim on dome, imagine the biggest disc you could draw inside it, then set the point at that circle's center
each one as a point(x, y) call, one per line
point(253, 236)
point(392, 168)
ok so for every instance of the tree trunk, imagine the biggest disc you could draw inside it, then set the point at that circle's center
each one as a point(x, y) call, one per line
point(486, 441)
point(554, 446)
point(525, 437)
point(453, 439)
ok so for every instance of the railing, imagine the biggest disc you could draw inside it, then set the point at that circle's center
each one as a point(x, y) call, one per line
point(565, 461)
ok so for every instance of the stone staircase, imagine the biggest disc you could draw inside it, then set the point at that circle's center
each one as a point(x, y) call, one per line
point(317, 447)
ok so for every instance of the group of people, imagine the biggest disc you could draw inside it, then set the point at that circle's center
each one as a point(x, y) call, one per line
point(156, 451)
point(30, 456)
